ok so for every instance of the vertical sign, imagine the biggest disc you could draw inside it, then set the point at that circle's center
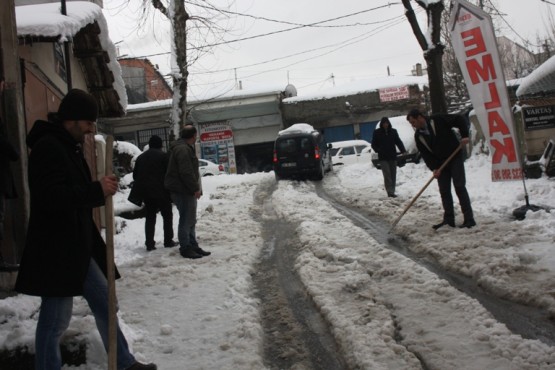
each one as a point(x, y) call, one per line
point(475, 47)
point(216, 145)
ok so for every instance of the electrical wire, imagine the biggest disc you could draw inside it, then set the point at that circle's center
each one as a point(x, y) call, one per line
point(302, 24)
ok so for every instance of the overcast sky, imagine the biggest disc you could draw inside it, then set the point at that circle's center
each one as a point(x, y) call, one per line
point(369, 39)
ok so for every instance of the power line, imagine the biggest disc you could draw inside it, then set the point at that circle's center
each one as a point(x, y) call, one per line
point(302, 24)
point(500, 15)
point(337, 46)
point(276, 32)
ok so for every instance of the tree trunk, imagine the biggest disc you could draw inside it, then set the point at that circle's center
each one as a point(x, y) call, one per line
point(434, 60)
point(180, 76)
point(432, 53)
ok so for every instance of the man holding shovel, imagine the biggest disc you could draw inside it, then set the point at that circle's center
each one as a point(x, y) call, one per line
point(436, 141)
point(65, 255)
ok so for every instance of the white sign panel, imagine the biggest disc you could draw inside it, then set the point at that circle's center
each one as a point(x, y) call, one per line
point(216, 144)
point(475, 46)
point(394, 93)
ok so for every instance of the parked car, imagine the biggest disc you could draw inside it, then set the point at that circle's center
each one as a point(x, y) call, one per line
point(300, 152)
point(207, 168)
point(350, 151)
point(409, 157)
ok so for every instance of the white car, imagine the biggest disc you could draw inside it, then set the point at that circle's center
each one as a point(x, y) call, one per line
point(207, 168)
point(350, 151)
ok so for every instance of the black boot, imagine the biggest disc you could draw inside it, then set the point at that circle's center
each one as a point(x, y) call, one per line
point(139, 366)
point(189, 253)
point(443, 223)
point(201, 251)
point(468, 223)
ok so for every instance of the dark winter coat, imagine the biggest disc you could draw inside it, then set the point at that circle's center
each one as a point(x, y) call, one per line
point(62, 236)
point(148, 174)
point(7, 154)
point(442, 141)
point(182, 175)
point(384, 142)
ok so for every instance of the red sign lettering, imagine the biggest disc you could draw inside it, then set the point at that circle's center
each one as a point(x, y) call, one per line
point(502, 149)
point(481, 72)
point(473, 37)
point(495, 102)
point(497, 124)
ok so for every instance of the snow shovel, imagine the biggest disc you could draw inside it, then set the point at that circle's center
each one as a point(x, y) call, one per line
point(520, 212)
point(424, 188)
point(110, 267)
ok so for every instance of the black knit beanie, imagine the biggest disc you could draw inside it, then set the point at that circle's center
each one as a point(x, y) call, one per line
point(78, 105)
point(155, 142)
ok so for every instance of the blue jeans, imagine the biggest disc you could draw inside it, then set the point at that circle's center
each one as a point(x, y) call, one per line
point(54, 317)
point(187, 208)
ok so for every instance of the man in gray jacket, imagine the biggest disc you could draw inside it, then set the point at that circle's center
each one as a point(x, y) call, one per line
point(183, 182)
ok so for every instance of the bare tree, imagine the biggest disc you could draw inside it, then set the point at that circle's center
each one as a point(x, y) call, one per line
point(456, 93)
point(204, 30)
point(433, 49)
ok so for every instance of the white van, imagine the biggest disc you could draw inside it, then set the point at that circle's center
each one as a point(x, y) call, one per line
point(350, 151)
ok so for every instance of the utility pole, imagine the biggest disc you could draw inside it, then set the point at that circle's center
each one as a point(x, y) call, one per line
point(332, 79)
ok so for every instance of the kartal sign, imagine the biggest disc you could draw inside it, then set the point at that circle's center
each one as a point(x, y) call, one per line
point(475, 47)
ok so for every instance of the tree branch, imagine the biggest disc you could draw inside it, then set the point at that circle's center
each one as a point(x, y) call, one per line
point(411, 16)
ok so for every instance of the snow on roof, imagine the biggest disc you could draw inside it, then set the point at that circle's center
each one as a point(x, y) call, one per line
point(298, 128)
point(362, 86)
point(46, 20)
point(214, 96)
point(542, 79)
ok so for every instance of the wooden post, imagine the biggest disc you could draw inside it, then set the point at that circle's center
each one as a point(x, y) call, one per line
point(112, 313)
point(13, 117)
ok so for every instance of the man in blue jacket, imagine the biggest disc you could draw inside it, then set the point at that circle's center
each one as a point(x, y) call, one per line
point(436, 141)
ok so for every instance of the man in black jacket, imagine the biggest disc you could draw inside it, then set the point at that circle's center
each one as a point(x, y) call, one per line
point(384, 141)
point(65, 255)
point(148, 175)
point(436, 141)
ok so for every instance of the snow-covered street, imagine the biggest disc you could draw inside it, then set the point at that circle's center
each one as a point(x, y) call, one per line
point(385, 310)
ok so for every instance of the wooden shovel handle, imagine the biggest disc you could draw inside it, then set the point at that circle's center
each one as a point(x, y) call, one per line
point(110, 265)
point(424, 187)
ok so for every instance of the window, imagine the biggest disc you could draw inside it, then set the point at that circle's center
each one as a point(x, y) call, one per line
point(360, 148)
point(348, 150)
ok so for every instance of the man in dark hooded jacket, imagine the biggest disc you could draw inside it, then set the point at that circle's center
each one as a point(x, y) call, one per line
point(384, 140)
point(64, 255)
point(148, 175)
